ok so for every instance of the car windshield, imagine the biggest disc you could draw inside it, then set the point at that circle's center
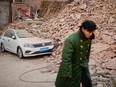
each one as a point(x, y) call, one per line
point(23, 34)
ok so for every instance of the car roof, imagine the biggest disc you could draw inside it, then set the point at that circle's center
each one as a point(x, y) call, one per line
point(15, 29)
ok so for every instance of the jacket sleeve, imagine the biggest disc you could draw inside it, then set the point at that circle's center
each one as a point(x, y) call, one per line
point(66, 58)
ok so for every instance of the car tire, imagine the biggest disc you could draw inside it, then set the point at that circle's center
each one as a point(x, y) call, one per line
point(2, 48)
point(20, 53)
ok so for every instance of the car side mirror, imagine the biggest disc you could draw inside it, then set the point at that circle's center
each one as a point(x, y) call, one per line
point(13, 37)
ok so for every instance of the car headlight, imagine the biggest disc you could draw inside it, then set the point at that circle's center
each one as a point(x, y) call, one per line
point(28, 45)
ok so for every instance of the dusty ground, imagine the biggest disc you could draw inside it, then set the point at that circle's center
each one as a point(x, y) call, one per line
point(11, 69)
point(39, 72)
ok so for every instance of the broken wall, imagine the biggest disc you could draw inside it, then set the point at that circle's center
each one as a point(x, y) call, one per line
point(15, 6)
point(4, 13)
point(31, 3)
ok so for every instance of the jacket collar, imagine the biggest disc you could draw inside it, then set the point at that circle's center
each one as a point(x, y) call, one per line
point(82, 36)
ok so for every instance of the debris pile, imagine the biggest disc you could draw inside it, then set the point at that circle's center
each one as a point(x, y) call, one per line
point(50, 8)
point(103, 53)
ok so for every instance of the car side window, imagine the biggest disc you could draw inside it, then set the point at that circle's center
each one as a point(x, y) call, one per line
point(6, 34)
point(9, 33)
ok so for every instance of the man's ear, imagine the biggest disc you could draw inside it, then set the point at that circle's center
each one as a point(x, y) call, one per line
point(82, 29)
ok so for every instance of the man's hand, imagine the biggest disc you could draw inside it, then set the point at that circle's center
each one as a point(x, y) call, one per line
point(70, 76)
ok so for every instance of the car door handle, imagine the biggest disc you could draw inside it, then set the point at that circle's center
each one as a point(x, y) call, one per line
point(8, 40)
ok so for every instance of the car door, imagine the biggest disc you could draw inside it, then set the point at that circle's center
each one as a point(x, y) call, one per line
point(5, 39)
point(12, 41)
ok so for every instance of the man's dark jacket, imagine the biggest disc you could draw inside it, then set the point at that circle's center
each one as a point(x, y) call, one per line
point(75, 58)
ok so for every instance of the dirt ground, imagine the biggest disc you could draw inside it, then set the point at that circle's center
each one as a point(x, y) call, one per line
point(29, 72)
point(15, 72)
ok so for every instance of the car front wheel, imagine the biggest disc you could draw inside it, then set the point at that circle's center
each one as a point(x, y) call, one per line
point(2, 48)
point(20, 53)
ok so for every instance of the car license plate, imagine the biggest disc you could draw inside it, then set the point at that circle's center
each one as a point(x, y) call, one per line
point(44, 49)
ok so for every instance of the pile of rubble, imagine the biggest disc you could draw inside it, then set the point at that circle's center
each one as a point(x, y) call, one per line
point(103, 53)
point(51, 8)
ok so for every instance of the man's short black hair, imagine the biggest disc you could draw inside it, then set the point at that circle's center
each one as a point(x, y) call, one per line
point(89, 25)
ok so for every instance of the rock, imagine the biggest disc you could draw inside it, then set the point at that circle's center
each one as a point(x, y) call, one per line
point(92, 62)
point(45, 70)
point(97, 33)
point(83, 6)
point(101, 55)
point(100, 85)
point(112, 72)
point(111, 20)
point(58, 61)
point(107, 55)
point(100, 72)
point(114, 80)
point(114, 37)
point(92, 70)
point(111, 64)
point(107, 39)
point(108, 33)
point(62, 20)
point(78, 16)
point(99, 47)
point(33, 25)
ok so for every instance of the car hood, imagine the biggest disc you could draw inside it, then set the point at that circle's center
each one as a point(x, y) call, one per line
point(34, 40)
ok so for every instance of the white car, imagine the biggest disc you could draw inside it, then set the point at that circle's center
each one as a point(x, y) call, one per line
point(24, 44)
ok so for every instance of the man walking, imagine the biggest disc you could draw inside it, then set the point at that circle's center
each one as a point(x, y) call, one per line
point(75, 57)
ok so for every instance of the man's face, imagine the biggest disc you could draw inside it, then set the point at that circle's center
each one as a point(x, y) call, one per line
point(87, 33)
